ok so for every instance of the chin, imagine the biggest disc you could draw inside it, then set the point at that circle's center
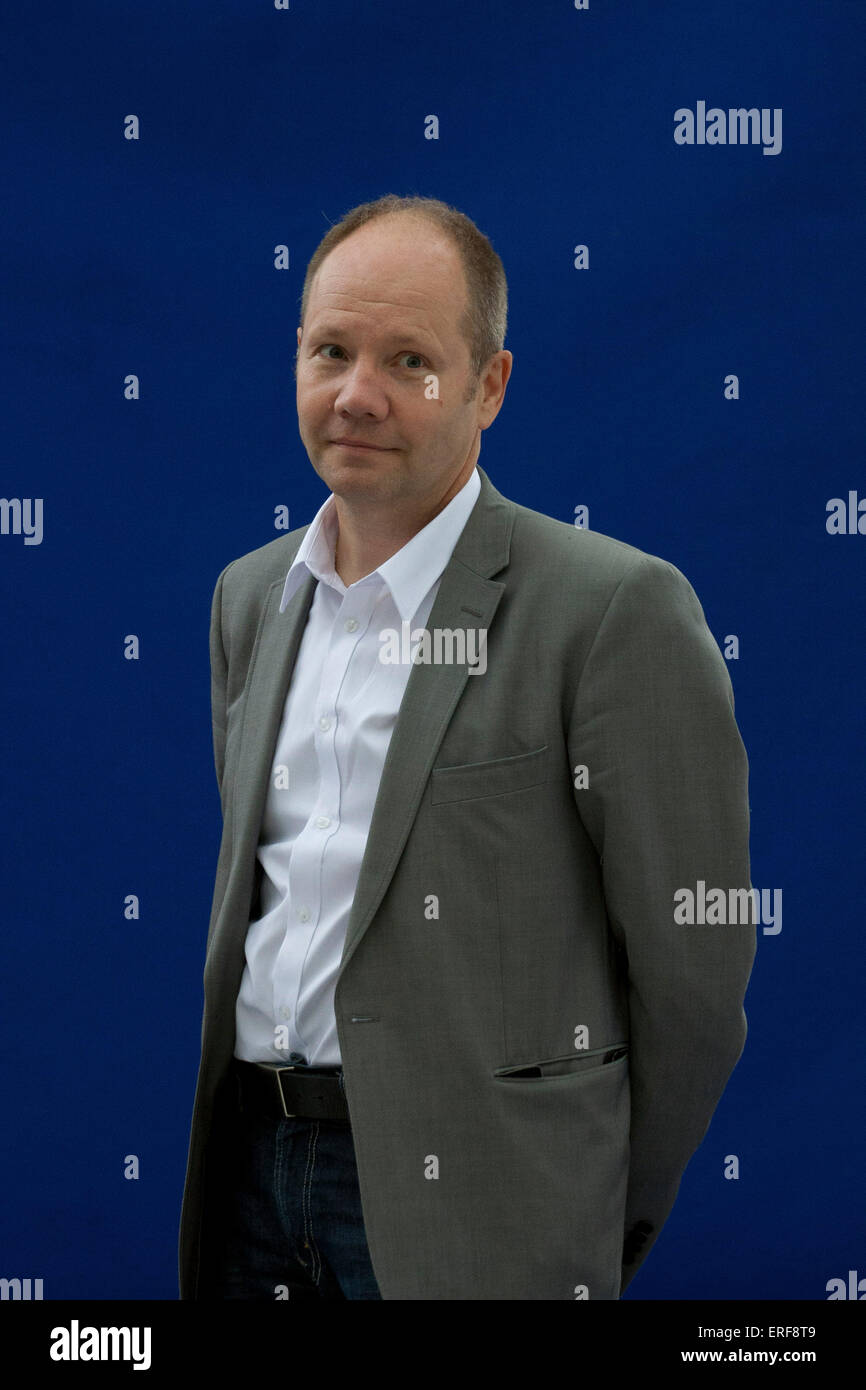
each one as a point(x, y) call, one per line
point(364, 469)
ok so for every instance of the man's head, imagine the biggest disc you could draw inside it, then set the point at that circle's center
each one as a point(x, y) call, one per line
point(403, 317)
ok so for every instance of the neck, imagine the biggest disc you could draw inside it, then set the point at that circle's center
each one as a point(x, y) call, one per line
point(367, 538)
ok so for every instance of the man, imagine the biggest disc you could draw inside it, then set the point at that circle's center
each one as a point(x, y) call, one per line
point(456, 1044)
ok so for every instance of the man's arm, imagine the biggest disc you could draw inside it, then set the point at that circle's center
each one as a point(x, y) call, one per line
point(666, 806)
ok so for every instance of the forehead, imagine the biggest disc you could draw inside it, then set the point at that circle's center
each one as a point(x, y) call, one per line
point(392, 266)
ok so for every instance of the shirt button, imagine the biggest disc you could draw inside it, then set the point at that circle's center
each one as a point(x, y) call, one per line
point(350, 624)
point(323, 821)
point(324, 722)
point(304, 914)
point(285, 1013)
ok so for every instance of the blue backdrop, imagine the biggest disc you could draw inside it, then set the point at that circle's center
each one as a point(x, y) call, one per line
point(694, 378)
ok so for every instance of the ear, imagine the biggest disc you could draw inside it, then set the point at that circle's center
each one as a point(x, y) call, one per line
point(299, 337)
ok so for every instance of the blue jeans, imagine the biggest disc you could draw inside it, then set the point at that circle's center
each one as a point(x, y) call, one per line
point(294, 1226)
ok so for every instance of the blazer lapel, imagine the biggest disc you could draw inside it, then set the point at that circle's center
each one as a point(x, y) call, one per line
point(275, 653)
point(467, 598)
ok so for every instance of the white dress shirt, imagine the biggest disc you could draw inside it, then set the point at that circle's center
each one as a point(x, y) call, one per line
point(337, 723)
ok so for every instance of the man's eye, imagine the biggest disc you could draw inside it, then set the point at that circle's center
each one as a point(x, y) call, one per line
point(413, 365)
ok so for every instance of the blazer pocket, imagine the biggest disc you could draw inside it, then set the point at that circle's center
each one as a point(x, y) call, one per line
point(572, 1065)
point(468, 781)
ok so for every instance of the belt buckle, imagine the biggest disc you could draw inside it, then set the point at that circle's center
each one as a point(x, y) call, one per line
point(289, 1114)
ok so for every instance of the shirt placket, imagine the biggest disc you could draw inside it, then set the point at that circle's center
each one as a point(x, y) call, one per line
point(332, 727)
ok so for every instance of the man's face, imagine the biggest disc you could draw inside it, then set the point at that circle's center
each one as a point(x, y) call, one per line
point(382, 317)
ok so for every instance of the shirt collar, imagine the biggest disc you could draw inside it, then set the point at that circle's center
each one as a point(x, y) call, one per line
point(409, 574)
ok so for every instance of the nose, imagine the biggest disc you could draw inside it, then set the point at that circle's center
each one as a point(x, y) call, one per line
point(361, 392)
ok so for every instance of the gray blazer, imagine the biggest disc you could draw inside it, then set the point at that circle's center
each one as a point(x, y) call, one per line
point(532, 1047)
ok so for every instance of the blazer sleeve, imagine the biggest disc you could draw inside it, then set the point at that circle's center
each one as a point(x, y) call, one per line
point(666, 805)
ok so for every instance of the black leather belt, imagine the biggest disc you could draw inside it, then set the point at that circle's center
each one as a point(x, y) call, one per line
point(310, 1093)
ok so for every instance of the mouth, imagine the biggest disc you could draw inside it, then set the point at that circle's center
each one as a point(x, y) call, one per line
point(356, 444)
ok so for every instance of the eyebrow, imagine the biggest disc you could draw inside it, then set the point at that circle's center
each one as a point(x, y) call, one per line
point(328, 333)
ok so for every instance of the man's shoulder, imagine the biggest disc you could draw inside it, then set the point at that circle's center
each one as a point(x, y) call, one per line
point(542, 545)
